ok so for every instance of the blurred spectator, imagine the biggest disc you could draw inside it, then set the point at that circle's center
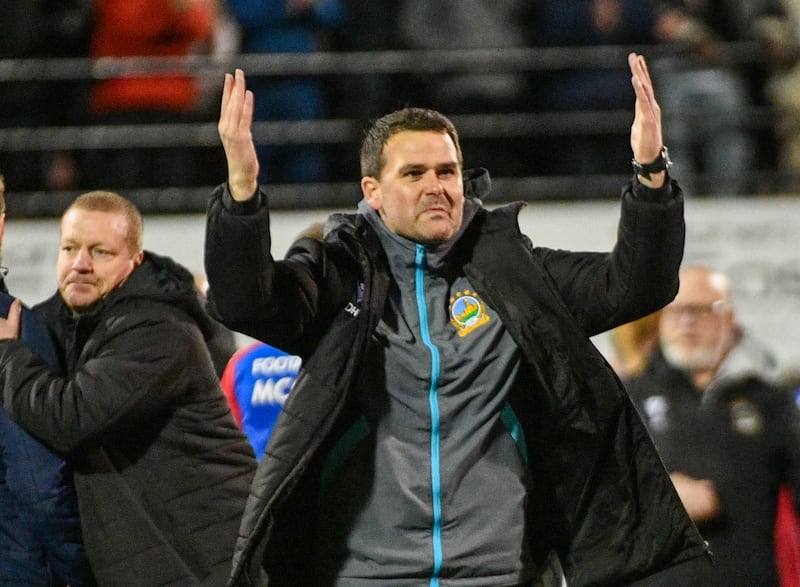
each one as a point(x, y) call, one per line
point(288, 26)
point(704, 100)
point(370, 25)
point(783, 88)
point(38, 29)
point(587, 23)
point(256, 382)
point(471, 24)
point(633, 344)
point(224, 47)
point(725, 428)
point(147, 28)
point(787, 540)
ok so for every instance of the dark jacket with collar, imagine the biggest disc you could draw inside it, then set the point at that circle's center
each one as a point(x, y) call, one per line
point(40, 539)
point(743, 433)
point(161, 469)
point(603, 501)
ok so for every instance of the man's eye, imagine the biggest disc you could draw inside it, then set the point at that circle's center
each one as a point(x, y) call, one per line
point(99, 253)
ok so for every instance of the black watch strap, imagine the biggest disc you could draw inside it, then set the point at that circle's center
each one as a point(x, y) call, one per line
point(661, 163)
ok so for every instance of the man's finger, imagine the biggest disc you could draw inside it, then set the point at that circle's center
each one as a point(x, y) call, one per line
point(227, 89)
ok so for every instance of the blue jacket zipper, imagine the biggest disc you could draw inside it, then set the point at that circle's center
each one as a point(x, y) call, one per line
point(436, 483)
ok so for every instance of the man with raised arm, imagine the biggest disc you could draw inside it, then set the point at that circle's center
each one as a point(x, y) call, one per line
point(452, 424)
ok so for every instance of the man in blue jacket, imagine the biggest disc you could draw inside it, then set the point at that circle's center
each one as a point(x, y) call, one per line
point(40, 533)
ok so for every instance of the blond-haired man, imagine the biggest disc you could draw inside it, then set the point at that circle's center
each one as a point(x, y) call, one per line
point(161, 469)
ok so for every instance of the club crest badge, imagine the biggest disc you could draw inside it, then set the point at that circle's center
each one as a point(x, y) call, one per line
point(746, 418)
point(657, 412)
point(467, 312)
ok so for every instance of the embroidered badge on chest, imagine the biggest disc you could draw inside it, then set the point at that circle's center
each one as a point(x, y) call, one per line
point(657, 410)
point(746, 418)
point(467, 312)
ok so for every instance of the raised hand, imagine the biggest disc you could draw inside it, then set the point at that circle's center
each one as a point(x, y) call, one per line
point(646, 138)
point(235, 131)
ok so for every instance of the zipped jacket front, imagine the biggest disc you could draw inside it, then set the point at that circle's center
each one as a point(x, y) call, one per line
point(602, 500)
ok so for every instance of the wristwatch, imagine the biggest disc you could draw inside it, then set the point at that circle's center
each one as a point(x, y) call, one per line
point(660, 163)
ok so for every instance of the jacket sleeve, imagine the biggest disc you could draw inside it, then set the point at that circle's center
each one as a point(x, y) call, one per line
point(249, 291)
point(131, 369)
point(640, 274)
point(39, 480)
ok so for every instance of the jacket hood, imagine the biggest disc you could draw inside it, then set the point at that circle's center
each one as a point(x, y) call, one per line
point(749, 359)
point(163, 279)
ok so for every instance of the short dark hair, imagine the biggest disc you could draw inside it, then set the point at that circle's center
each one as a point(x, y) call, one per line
point(103, 201)
point(413, 119)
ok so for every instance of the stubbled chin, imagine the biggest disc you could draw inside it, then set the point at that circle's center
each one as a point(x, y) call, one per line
point(79, 295)
point(435, 237)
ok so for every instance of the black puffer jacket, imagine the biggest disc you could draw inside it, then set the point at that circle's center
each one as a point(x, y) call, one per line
point(602, 500)
point(161, 470)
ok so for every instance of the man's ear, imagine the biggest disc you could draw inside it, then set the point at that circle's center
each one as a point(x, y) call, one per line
point(2, 226)
point(371, 188)
point(137, 260)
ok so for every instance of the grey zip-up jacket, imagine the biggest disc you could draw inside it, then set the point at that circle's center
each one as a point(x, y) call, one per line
point(435, 424)
point(592, 485)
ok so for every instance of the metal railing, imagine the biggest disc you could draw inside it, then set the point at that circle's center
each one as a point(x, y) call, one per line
point(340, 131)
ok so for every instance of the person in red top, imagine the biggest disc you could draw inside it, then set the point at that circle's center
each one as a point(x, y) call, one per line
point(146, 28)
point(787, 540)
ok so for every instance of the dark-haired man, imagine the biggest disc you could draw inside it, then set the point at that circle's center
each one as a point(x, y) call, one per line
point(451, 424)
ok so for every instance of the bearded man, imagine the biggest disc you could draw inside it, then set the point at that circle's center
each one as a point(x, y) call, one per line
point(726, 429)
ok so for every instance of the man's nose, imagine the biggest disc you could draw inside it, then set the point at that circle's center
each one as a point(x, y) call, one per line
point(433, 183)
point(82, 260)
